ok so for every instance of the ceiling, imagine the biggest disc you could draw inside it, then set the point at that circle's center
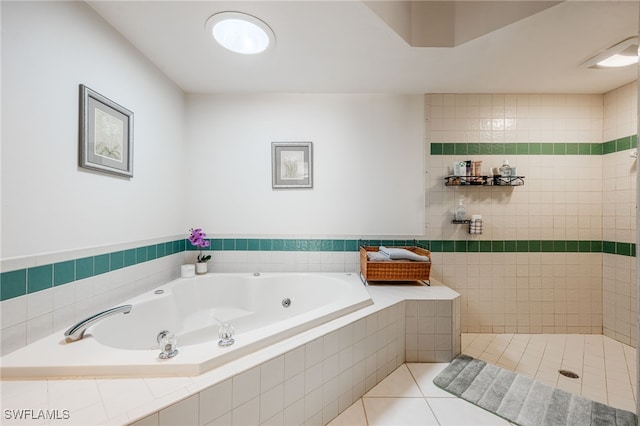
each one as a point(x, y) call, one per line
point(346, 47)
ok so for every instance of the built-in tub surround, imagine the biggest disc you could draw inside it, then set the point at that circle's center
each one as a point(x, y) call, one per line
point(308, 378)
point(192, 309)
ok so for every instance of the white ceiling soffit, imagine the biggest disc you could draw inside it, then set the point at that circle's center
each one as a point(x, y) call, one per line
point(325, 46)
point(451, 23)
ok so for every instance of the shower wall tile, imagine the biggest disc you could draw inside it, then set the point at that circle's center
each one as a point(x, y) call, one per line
point(533, 269)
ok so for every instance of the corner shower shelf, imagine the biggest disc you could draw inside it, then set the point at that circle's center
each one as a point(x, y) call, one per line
point(484, 180)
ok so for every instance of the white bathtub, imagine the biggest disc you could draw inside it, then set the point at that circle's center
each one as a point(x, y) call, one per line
point(126, 345)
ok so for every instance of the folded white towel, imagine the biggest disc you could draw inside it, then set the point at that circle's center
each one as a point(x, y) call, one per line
point(398, 253)
point(377, 256)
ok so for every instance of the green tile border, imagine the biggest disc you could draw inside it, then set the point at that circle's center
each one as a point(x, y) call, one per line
point(534, 148)
point(29, 280)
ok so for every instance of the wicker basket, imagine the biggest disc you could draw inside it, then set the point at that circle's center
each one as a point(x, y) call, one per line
point(395, 270)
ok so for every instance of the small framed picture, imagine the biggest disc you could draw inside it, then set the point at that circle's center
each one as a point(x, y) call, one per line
point(106, 134)
point(291, 165)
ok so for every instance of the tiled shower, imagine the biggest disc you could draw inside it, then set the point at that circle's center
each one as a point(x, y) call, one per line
point(556, 255)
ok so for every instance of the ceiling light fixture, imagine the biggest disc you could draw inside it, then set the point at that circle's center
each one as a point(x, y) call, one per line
point(620, 55)
point(240, 33)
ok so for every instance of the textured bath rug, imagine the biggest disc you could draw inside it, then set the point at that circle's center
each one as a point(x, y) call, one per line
point(524, 401)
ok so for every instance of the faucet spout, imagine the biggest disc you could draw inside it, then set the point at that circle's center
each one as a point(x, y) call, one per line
point(76, 332)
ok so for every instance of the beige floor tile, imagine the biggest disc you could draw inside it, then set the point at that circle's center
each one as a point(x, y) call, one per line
point(352, 416)
point(424, 375)
point(398, 411)
point(399, 383)
point(456, 412)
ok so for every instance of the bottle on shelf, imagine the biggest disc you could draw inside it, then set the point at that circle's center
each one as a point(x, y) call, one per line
point(505, 169)
point(460, 213)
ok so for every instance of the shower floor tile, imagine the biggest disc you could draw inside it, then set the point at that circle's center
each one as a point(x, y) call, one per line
point(408, 396)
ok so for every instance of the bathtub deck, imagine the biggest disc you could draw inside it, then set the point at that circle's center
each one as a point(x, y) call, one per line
point(338, 361)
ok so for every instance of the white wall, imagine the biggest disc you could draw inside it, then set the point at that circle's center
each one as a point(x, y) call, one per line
point(48, 203)
point(368, 164)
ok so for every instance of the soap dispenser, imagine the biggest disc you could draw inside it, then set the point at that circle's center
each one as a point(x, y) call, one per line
point(460, 212)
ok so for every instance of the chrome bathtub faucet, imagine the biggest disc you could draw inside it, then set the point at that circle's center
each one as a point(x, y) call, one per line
point(76, 332)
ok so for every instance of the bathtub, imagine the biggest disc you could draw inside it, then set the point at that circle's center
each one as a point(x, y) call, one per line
point(262, 308)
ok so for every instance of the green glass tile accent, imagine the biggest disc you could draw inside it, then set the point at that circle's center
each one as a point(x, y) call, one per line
point(510, 246)
point(316, 245)
point(129, 258)
point(559, 246)
point(387, 243)
point(448, 149)
point(473, 246)
point(535, 148)
point(559, 148)
point(101, 264)
point(116, 260)
point(633, 250)
point(290, 245)
point(609, 147)
point(623, 249)
point(485, 246)
point(510, 148)
point(338, 245)
point(546, 148)
point(39, 278)
point(497, 149)
point(634, 141)
point(325, 245)
point(436, 246)
point(522, 246)
point(596, 246)
point(160, 249)
point(485, 149)
point(460, 246)
point(609, 247)
point(64, 272)
point(253, 244)
point(460, 149)
point(573, 149)
point(84, 268)
point(597, 149)
point(141, 254)
point(182, 244)
point(302, 245)
point(242, 244)
point(351, 245)
point(216, 244)
point(277, 245)
point(13, 284)
point(584, 246)
point(473, 148)
point(168, 248)
point(228, 244)
point(572, 246)
point(497, 246)
point(522, 149)
point(546, 246)
point(448, 246)
point(584, 149)
point(436, 149)
point(535, 246)
point(265, 245)
point(623, 144)
point(152, 252)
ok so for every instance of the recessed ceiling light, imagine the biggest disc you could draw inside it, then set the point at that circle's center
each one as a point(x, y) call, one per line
point(620, 55)
point(240, 33)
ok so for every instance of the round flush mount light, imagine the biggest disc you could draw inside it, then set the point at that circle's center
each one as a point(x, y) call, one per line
point(240, 33)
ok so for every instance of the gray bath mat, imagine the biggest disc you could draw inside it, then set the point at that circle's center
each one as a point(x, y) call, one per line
point(523, 401)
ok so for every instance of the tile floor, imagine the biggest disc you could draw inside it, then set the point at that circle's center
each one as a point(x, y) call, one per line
point(409, 397)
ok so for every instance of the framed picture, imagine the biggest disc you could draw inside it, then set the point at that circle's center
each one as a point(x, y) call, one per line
point(106, 134)
point(291, 165)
